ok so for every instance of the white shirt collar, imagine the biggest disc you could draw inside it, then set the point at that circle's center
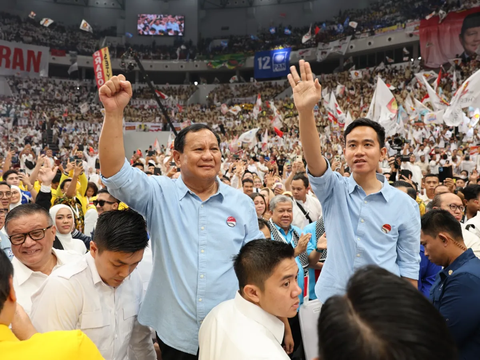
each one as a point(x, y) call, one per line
point(257, 314)
point(23, 272)
point(93, 268)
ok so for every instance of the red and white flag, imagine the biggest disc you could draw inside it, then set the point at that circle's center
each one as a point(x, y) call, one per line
point(162, 95)
point(307, 36)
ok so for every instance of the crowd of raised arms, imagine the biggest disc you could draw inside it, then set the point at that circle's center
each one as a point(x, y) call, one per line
point(267, 228)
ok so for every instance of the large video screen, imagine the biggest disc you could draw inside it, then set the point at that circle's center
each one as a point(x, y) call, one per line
point(161, 24)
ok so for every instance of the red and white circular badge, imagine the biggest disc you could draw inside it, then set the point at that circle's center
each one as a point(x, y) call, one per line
point(386, 228)
point(231, 221)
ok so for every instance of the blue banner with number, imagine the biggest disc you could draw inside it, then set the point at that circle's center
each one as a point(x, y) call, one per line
point(272, 63)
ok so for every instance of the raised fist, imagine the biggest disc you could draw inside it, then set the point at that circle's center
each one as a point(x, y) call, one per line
point(115, 94)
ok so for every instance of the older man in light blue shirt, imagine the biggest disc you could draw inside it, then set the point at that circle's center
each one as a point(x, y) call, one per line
point(197, 224)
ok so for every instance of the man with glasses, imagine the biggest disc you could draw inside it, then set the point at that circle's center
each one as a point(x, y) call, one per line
point(32, 233)
point(5, 197)
point(105, 202)
point(453, 204)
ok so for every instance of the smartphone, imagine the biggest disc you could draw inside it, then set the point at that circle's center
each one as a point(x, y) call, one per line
point(157, 171)
point(72, 158)
point(21, 171)
point(172, 163)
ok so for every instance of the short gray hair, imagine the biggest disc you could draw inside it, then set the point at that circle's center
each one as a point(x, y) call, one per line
point(279, 199)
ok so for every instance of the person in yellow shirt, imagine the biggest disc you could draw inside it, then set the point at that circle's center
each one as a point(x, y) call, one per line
point(23, 342)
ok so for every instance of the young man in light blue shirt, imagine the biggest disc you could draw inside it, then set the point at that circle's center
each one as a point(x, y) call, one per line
point(196, 223)
point(367, 220)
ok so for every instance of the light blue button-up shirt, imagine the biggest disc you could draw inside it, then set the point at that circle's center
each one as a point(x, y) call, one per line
point(5, 245)
point(381, 229)
point(193, 245)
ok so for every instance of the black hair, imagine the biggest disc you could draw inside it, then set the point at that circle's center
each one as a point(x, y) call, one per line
point(382, 317)
point(262, 223)
point(247, 181)
point(410, 189)
point(179, 144)
point(431, 175)
point(5, 183)
point(6, 271)
point(57, 178)
point(438, 220)
point(471, 192)
point(370, 123)
point(255, 195)
point(121, 231)
point(472, 20)
point(92, 185)
point(301, 176)
point(8, 173)
point(257, 260)
point(105, 191)
point(27, 210)
point(225, 178)
point(138, 163)
point(62, 185)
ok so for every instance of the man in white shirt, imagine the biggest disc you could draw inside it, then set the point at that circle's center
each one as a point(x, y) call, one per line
point(90, 158)
point(312, 210)
point(430, 182)
point(248, 327)
point(423, 165)
point(417, 175)
point(32, 233)
point(104, 292)
point(434, 164)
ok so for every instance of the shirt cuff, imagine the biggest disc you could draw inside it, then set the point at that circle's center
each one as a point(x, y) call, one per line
point(118, 180)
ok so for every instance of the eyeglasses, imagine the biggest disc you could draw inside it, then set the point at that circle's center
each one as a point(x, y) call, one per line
point(102, 202)
point(3, 211)
point(36, 235)
point(6, 194)
point(454, 207)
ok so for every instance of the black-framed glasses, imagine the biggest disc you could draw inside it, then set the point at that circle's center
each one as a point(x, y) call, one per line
point(102, 202)
point(454, 207)
point(7, 194)
point(36, 235)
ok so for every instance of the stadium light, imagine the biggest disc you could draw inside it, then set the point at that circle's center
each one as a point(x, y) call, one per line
point(195, 83)
point(419, 58)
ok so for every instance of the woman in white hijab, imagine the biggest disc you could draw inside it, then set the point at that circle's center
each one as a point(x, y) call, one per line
point(16, 199)
point(65, 222)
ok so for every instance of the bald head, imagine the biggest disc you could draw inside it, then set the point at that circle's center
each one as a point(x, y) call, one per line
point(449, 202)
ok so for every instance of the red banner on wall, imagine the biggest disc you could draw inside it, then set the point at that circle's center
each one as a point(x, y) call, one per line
point(457, 36)
point(21, 60)
point(102, 66)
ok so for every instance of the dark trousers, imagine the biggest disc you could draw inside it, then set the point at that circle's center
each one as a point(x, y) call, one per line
point(169, 353)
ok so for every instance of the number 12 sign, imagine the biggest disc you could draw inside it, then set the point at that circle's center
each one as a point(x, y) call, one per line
point(272, 63)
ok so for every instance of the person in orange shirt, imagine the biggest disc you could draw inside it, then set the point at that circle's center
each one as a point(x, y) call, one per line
point(23, 342)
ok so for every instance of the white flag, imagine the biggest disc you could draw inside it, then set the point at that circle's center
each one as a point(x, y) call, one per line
point(46, 22)
point(73, 68)
point(85, 26)
point(353, 24)
point(249, 138)
point(265, 141)
point(84, 108)
point(356, 74)
point(258, 107)
point(235, 110)
point(383, 106)
point(349, 119)
point(437, 103)
point(467, 95)
point(307, 36)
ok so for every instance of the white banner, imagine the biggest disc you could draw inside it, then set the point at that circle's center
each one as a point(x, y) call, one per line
point(19, 59)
